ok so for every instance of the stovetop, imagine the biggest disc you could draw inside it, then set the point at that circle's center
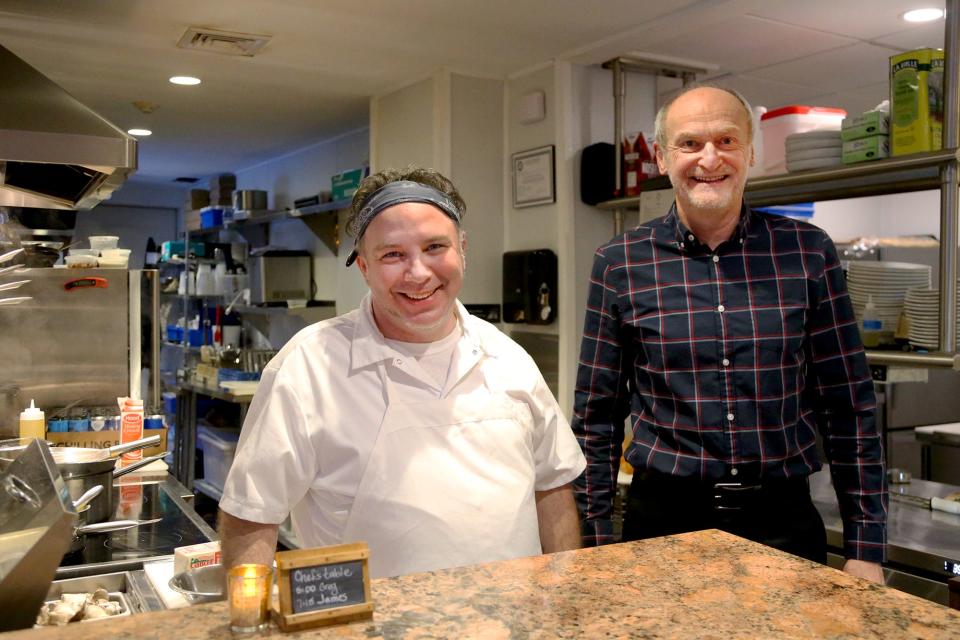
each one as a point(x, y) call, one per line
point(166, 522)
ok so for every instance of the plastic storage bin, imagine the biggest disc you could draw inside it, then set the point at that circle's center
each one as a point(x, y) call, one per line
point(777, 124)
point(219, 446)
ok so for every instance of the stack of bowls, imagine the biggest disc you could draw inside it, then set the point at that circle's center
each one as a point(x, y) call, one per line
point(814, 150)
point(886, 284)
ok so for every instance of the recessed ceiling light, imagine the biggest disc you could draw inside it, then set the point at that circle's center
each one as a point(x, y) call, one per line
point(139, 132)
point(923, 15)
point(185, 80)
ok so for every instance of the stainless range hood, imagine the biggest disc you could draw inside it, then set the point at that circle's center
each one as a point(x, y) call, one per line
point(55, 153)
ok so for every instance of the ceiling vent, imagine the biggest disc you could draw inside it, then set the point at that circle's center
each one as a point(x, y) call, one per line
point(226, 42)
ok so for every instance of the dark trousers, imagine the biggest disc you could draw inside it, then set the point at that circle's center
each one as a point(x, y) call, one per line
point(778, 513)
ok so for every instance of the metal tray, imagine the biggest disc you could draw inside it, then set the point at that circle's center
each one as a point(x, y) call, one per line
point(118, 586)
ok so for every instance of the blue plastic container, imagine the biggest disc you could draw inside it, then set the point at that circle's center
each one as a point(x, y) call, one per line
point(58, 425)
point(195, 336)
point(174, 333)
point(211, 217)
point(79, 424)
point(170, 403)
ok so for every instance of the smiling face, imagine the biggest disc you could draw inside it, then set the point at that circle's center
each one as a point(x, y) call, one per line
point(707, 153)
point(412, 258)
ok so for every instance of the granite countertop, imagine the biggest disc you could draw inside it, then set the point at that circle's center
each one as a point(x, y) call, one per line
point(707, 584)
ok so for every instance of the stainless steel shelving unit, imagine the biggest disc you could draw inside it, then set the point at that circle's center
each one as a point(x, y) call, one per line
point(917, 172)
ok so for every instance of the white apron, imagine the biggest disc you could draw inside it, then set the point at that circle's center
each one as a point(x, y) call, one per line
point(450, 482)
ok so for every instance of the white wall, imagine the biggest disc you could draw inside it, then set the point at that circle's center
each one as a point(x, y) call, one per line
point(900, 214)
point(476, 161)
point(403, 127)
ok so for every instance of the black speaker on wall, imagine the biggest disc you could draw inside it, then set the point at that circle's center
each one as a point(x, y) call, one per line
point(530, 286)
point(598, 169)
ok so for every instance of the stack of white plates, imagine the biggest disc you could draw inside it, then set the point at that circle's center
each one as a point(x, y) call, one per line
point(922, 308)
point(814, 150)
point(886, 283)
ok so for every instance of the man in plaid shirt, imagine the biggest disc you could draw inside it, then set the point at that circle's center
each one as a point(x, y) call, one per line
point(728, 338)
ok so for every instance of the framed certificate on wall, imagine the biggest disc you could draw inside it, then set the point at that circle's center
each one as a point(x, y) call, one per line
point(533, 177)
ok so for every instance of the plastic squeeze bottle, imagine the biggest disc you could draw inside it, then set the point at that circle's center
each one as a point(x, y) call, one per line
point(32, 423)
point(871, 324)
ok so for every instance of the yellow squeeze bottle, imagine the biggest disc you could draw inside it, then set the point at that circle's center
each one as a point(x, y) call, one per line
point(32, 423)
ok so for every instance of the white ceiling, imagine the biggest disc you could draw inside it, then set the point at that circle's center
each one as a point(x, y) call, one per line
point(325, 59)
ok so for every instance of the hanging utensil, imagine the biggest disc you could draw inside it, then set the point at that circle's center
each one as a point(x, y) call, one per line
point(7, 302)
point(16, 284)
point(10, 255)
point(5, 270)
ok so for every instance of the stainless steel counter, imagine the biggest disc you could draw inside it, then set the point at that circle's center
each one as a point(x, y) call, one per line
point(919, 540)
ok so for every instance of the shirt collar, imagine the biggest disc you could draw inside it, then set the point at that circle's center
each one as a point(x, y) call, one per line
point(369, 346)
point(686, 240)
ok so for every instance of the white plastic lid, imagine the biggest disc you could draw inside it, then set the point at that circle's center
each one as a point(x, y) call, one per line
point(31, 412)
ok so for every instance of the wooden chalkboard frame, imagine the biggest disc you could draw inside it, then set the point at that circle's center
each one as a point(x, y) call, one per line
point(288, 561)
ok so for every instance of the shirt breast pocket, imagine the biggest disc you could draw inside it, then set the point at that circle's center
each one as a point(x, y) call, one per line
point(781, 336)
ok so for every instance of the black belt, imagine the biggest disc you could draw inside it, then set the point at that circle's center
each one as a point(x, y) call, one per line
point(722, 495)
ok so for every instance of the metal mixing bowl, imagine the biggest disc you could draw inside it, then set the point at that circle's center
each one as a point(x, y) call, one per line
point(205, 584)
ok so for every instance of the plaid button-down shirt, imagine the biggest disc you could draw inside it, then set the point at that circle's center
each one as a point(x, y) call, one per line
point(727, 361)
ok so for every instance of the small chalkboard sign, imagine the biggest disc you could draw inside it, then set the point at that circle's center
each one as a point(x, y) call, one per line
point(322, 586)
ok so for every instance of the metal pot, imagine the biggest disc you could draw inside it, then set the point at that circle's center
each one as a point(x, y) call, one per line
point(250, 200)
point(82, 476)
point(41, 254)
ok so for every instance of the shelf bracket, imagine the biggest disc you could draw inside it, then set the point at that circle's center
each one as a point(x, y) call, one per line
point(326, 227)
point(257, 235)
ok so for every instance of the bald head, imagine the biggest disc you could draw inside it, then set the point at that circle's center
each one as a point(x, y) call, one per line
point(660, 125)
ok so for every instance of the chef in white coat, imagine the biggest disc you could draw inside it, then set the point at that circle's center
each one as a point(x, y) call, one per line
point(407, 423)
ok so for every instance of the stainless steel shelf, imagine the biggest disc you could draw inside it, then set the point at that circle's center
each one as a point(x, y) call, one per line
point(217, 393)
point(323, 207)
point(915, 359)
point(277, 311)
point(916, 172)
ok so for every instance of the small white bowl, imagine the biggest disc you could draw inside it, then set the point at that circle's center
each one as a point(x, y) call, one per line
point(99, 243)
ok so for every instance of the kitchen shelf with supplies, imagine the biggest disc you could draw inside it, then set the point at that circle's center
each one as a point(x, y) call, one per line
point(185, 444)
point(900, 174)
point(321, 219)
point(916, 172)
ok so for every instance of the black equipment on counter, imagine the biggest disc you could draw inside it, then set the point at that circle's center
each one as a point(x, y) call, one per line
point(530, 286)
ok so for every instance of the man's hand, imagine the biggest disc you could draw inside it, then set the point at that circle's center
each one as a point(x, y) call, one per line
point(871, 571)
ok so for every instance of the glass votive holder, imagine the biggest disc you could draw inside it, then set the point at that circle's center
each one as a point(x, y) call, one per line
point(248, 591)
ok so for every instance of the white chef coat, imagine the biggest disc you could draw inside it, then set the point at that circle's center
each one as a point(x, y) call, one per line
point(317, 411)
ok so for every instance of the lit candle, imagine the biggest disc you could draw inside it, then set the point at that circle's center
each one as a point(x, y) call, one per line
point(248, 586)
